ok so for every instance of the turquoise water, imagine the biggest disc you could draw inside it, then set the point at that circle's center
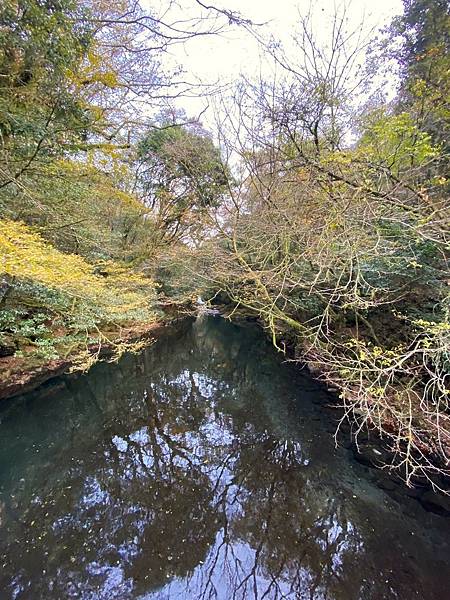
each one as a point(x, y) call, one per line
point(203, 468)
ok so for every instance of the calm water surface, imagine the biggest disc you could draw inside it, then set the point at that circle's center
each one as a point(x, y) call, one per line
point(202, 469)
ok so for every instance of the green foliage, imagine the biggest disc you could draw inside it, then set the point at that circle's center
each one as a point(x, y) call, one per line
point(40, 43)
point(83, 210)
point(56, 299)
point(424, 57)
point(396, 142)
point(182, 175)
point(186, 158)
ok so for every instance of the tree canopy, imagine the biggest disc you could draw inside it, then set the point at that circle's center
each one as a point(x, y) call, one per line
point(182, 175)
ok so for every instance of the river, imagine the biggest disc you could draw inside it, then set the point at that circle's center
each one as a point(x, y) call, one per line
point(202, 468)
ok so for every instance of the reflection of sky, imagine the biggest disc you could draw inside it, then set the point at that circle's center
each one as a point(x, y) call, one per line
point(200, 489)
point(114, 584)
point(225, 572)
point(230, 564)
point(213, 449)
point(203, 385)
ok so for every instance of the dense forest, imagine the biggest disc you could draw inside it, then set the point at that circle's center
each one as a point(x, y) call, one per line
point(316, 203)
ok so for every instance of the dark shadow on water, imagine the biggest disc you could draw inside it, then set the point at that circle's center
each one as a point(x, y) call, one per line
point(201, 469)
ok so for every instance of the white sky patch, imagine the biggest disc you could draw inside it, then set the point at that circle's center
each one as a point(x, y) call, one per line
point(220, 59)
point(228, 55)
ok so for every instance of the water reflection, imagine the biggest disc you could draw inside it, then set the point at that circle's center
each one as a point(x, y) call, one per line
point(201, 469)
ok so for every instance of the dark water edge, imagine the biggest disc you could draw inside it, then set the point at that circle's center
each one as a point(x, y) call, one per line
point(202, 468)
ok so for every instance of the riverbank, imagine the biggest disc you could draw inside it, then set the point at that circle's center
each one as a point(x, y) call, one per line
point(19, 374)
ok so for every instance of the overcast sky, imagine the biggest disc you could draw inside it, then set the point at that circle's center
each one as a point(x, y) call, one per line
point(237, 51)
point(222, 58)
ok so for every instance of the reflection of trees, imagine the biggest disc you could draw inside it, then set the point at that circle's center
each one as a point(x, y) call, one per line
point(146, 508)
point(300, 544)
point(137, 499)
point(167, 474)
